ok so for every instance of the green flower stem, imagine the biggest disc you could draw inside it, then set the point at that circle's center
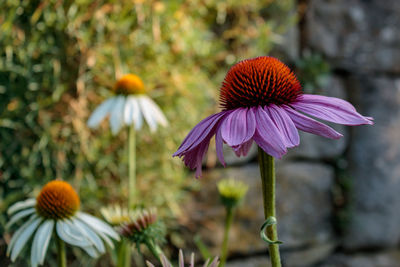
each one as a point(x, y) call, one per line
point(154, 249)
point(132, 167)
point(61, 253)
point(228, 223)
point(267, 171)
point(124, 254)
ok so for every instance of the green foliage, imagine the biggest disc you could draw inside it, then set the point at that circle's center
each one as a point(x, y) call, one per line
point(312, 71)
point(59, 59)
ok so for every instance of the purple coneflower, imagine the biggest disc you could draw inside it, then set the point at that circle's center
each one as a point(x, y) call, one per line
point(262, 101)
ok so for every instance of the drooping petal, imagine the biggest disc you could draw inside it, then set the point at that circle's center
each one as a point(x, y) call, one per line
point(219, 145)
point(89, 233)
point(147, 112)
point(285, 125)
point(137, 116)
point(117, 114)
point(128, 110)
point(101, 112)
point(267, 135)
point(91, 251)
point(200, 132)
point(238, 127)
point(193, 158)
point(310, 125)
point(69, 234)
point(23, 238)
point(16, 217)
point(98, 225)
point(196, 143)
point(330, 109)
point(41, 242)
point(18, 233)
point(243, 149)
point(156, 111)
point(21, 205)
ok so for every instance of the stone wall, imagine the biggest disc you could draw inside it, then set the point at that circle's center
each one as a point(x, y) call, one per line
point(336, 199)
point(361, 40)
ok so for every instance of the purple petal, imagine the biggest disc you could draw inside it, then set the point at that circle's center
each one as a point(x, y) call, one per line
point(195, 145)
point(193, 158)
point(199, 132)
point(238, 127)
point(243, 149)
point(310, 125)
point(284, 124)
point(219, 145)
point(330, 109)
point(267, 135)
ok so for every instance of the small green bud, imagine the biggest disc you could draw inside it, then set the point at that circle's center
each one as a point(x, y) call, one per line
point(231, 192)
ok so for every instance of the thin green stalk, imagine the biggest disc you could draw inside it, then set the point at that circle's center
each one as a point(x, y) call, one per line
point(267, 171)
point(132, 166)
point(228, 223)
point(61, 253)
point(154, 249)
point(124, 254)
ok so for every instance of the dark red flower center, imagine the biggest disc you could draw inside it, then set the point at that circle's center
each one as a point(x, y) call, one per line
point(258, 82)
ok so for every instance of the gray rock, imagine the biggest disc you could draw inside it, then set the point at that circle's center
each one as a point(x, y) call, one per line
point(304, 208)
point(297, 258)
point(317, 147)
point(356, 35)
point(377, 259)
point(375, 165)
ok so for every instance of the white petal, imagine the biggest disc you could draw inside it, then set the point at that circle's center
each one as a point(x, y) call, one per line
point(147, 113)
point(41, 242)
point(101, 112)
point(117, 114)
point(91, 251)
point(128, 111)
point(90, 234)
point(24, 237)
point(21, 205)
point(137, 114)
point(157, 113)
point(103, 236)
point(98, 225)
point(19, 216)
point(149, 264)
point(18, 233)
point(68, 233)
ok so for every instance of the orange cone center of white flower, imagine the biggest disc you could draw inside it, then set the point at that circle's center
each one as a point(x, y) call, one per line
point(129, 84)
point(57, 200)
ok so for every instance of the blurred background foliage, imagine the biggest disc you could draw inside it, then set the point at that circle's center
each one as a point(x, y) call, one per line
point(58, 60)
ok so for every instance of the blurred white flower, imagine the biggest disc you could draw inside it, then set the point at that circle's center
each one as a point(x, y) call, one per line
point(129, 106)
point(117, 215)
point(56, 207)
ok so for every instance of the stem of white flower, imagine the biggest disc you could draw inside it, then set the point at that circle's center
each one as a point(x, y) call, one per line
point(61, 253)
point(132, 166)
point(268, 180)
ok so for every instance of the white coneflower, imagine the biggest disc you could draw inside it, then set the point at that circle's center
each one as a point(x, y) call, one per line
point(129, 106)
point(57, 206)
